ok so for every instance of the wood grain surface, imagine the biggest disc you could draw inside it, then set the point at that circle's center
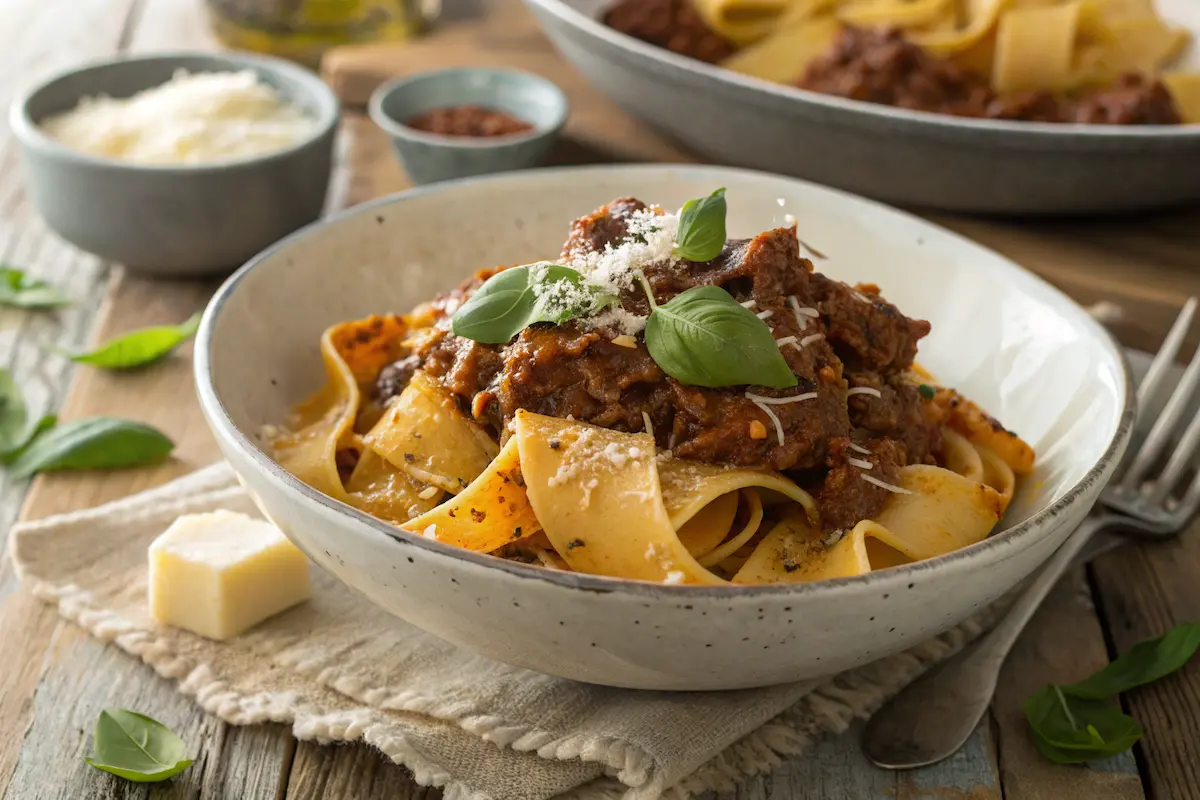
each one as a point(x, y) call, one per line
point(55, 679)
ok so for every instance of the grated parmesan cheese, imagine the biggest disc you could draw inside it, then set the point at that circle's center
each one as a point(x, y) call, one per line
point(674, 577)
point(860, 463)
point(815, 337)
point(786, 340)
point(625, 340)
point(891, 487)
point(191, 119)
point(430, 532)
point(765, 314)
point(773, 417)
point(649, 425)
point(779, 401)
point(858, 449)
point(428, 492)
point(863, 390)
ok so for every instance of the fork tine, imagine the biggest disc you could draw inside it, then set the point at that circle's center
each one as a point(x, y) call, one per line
point(1173, 412)
point(1165, 356)
point(1180, 459)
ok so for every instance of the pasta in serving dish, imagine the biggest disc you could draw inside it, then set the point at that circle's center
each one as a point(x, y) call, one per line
point(660, 404)
point(1088, 61)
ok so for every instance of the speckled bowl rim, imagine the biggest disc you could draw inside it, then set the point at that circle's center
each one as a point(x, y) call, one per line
point(1013, 133)
point(29, 133)
point(1008, 540)
point(394, 127)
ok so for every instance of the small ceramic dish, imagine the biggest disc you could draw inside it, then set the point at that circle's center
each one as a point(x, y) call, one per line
point(431, 157)
point(1006, 338)
point(175, 220)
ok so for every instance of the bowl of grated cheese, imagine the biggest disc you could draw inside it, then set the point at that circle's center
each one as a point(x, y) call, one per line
point(178, 164)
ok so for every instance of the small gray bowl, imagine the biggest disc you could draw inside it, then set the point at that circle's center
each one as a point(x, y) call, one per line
point(431, 157)
point(173, 220)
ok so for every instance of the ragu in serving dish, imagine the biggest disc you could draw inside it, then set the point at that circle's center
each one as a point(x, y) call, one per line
point(1061, 61)
point(660, 404)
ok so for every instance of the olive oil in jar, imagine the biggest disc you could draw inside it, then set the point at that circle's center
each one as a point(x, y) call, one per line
point(303, 30)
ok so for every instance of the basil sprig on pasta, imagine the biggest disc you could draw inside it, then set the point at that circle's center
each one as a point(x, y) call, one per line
point(703, 337)
point(701, 232)
point(512, 300)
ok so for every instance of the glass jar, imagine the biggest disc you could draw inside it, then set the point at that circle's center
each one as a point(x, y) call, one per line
point(303, 30)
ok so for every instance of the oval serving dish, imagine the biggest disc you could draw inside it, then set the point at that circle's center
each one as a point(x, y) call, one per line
point(1001, 335)
point(899, 156)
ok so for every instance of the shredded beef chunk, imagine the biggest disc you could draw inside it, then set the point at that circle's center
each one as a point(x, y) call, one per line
point(1132, 100)
point(607, 225)
point(843, 497)
point(670, 24)
point(899, 413)
point(394, 378)
point(881, 66)
point(867, 331)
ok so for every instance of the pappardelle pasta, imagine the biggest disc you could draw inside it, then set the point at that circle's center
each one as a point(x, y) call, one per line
point(663, 404)
point(1086, 61)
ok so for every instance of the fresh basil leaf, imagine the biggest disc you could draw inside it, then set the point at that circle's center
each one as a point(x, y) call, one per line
point(43, 424)
point(512, 300)
point(140, 347)
point(703, 337)
point(93, 443)
point(1072, 730)
point(136, 747)
point(1144, 663)
point(12, 412)
point(17, 289)
point(701, 234)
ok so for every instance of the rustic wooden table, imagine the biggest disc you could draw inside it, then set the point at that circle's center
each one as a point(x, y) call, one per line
point(54, 680)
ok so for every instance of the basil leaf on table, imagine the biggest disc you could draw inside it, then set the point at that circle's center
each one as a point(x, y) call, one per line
point(21, 291)
point(93, 443)
point(1078, 722)
point(703, 337)
point(12, 412)
point(1072, 730)
point(515, 298)
point(15, 434)
point(140, 347)
point(1145, 663)
point(26, 441)
point(701, 234)
point(136, 747)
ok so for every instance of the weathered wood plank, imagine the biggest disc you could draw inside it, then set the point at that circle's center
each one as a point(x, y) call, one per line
point(1063, 643)
point(1143, 592)
point(229, 762)
point(353, 770)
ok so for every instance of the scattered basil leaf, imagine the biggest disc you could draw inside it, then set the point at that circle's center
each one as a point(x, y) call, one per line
point(512, 300)
point(1079, 722)
point(1072, 730)
point(703, 337)
point(43, 424)
point(93, 443)
point(17, 289)
point(1145, 663)
point(136, 747)
point(12, 412)
point(140, 347)
point(701, 234)
point(926, 391)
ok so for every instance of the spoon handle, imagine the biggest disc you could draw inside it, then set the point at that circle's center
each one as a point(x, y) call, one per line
point(931, 718)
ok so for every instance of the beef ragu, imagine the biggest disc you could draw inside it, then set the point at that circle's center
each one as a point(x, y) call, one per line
point(879, 65)
point(846, 344)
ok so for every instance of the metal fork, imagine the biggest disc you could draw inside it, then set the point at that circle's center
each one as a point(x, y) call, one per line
point(933, 716)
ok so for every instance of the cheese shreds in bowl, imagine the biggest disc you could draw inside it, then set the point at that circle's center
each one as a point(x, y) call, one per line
point(191, 119)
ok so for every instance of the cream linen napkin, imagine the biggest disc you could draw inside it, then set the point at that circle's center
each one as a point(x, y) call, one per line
point(339, 669)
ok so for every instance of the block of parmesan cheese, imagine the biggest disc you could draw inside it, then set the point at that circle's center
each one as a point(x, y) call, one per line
point(221, 573)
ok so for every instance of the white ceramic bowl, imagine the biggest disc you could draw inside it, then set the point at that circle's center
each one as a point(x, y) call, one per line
point(892, 154)
point(1009, 340)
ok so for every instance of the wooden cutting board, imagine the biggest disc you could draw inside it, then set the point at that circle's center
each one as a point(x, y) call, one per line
point(1147, 264)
